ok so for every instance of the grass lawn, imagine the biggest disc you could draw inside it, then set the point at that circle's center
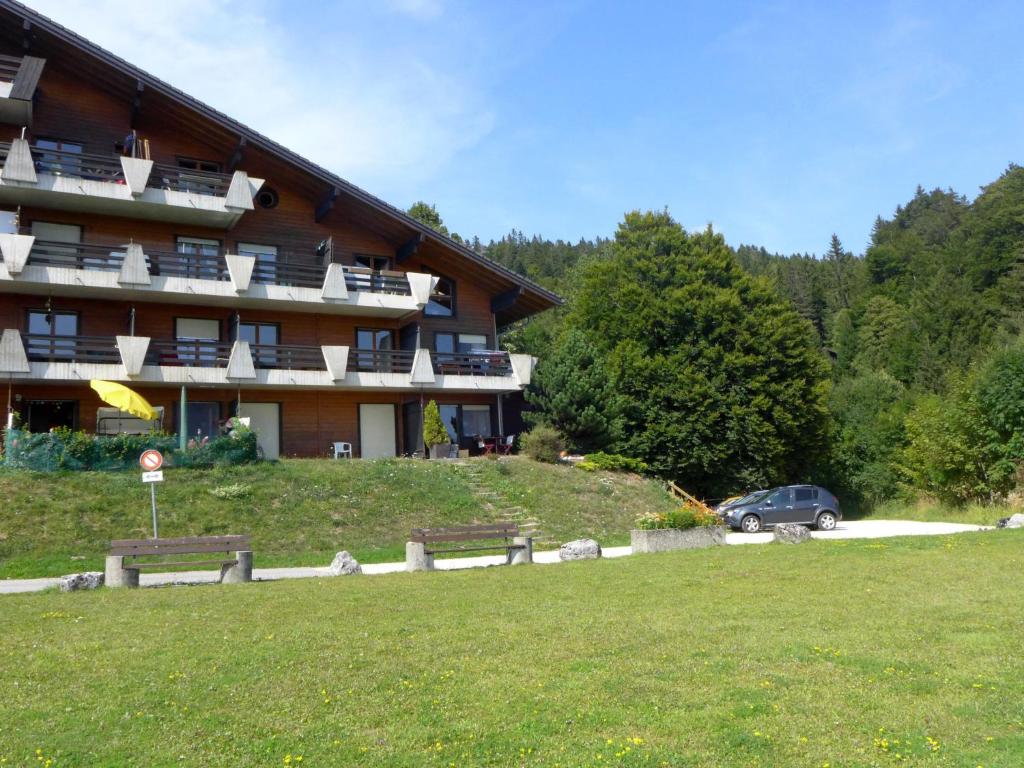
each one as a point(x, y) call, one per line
point(905, 652)
point(300, 512)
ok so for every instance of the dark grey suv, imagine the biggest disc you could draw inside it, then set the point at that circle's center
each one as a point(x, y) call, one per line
point(802, 504)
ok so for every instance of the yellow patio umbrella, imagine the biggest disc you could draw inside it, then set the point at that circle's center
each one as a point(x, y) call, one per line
point(127, 400)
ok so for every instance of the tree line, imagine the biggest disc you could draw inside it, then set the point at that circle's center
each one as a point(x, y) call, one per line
point(895, 372)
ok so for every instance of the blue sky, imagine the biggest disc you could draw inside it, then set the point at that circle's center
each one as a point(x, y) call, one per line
point(777, 122)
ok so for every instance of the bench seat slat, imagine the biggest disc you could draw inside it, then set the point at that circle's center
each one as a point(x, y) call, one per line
point(139, 566)
point(230, 539)
point(172, 549)
point(473, 549)
point(465, 528)
point(460, 537)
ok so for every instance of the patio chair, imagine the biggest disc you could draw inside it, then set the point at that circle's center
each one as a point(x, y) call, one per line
point(484, 446)
point(342, 449)
point(505, 446)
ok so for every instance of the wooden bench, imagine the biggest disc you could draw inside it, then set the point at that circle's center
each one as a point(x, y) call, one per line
point(424, 543)
point(235, 564)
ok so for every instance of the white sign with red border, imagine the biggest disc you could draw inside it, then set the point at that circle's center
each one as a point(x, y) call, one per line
point(151, 460)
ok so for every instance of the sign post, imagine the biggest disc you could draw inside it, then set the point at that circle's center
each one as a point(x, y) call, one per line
point(151, 461)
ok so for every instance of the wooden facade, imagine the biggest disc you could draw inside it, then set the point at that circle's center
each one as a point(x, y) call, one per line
point(87, 103)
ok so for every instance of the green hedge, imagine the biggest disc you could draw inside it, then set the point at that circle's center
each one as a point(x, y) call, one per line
point(65, 449)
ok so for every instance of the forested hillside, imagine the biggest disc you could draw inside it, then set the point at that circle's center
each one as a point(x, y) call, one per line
point(918, 364)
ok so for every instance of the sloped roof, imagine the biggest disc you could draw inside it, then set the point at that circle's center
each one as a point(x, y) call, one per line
point(541, 297)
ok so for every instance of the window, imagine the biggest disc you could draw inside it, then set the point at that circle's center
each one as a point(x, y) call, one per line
point(782, 498)
point(471, 342)
point(450, 417)
point(60, 159)
point(8, 223)
point(261, 334)
point(376, 263)
point(201, 419)
point(444, 345)
point(44, 415)
point(52, 335)
point(265, 270)
point(370, 344)
point(803, 495)
point(200, 258)
point(205, 166)
point(195, 336)
point(476, 421)
point(442, 300)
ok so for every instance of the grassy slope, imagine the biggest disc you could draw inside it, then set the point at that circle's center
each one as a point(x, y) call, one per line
point(299, 512)
point(844, 654)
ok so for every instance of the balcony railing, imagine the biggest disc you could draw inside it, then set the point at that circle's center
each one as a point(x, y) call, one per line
point(362, 279)
point(82, 165)
point(186, 180)
point(483, 363)
point(196, 353)
point(287, 357)
point(71, 349)
point(381, 360)
point(9, 66)
point(196, 266)
point(284, 271)
point(47, 253)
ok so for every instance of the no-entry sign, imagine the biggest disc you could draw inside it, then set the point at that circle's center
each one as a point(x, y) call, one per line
point(151, 460)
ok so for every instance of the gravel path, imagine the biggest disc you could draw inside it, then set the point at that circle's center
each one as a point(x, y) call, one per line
point(855, 529)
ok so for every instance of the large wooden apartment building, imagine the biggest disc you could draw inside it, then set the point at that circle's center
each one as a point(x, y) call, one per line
point(149, 239)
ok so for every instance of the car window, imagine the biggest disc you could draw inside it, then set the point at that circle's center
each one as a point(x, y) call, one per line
point(805, 494)
point(782, 498)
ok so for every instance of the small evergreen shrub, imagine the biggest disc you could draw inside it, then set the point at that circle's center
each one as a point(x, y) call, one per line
point(543, 443)
point(434, 432)
point(612, 462)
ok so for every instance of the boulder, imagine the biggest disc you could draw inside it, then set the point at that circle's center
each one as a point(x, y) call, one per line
point(791, 533)
point(1015, 521)
point(76, 581)
point(580, 549)
point(344, 565)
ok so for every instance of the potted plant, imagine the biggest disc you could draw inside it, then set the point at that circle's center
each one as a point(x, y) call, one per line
point(435, 436)
point(689, 527)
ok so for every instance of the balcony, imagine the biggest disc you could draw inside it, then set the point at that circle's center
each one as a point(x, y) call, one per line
point(121, 186)
point(130, 272)
point(19, 77)
point(240, 364)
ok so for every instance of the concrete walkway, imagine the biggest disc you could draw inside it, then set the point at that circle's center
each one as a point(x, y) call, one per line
point(857, 529)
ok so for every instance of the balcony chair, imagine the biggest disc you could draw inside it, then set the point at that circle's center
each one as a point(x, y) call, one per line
point(342, 449)
point(505, 446)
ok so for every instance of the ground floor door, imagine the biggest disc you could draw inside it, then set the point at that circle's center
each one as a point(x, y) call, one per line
point(44, 415)
point(265, 420)
point(377, 431)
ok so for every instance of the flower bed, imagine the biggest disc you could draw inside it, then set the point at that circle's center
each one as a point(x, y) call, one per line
point(689, 527)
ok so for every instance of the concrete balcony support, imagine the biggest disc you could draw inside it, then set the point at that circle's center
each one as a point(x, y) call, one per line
point(421, 287)
point(334, 284)
point(136, 174)
point(240, 364)
point(337, 362)
point(133, 353)
point(422, 368)
point(15, 250)
point(240, 268)
point(133, 269)
point(240, 192)
point(12, 353)
point(522, 368)
point(19, 165)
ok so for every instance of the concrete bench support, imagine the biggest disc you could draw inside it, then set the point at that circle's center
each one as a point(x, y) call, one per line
point(116, 575)
point(416, 557)
point(238, 573)
point(524, 555)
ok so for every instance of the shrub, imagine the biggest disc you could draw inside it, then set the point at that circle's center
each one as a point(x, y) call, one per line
point(612, 462)
point(543, 443)
point(687, 516)
point(434, 432)
point(238, 447)
point(65, 449)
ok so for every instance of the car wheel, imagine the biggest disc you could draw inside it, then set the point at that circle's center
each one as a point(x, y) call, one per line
point(751, 524)
point(826, 521)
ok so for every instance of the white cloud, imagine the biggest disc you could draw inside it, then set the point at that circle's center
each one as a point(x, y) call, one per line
point(382, 117)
